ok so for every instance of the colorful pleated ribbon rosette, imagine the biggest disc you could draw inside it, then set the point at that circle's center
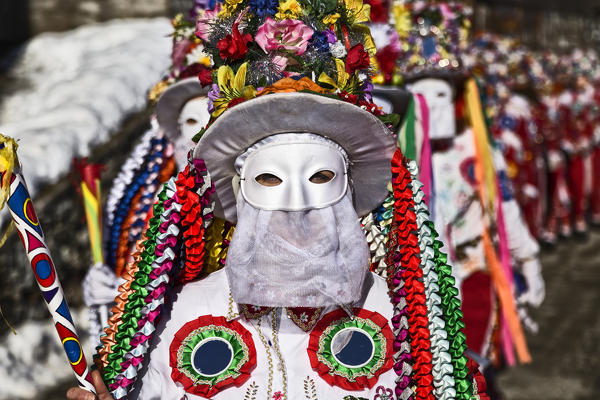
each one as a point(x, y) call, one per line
point(205, 329)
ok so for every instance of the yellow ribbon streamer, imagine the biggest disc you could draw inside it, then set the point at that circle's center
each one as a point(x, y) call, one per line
point(485, 174)
point(91, 205)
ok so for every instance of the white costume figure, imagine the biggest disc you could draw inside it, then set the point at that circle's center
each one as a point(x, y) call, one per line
point(294, 162)
point(181, 112)
point(439, 95)
point(298, 258)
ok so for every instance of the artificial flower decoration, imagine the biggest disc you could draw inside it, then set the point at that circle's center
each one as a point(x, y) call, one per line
point(291, 35)
point(231, 87)
point(331, 19)
point(263, 8)
point(357, 59)
point(289, 9)
point(260, 47)
point(229, 7)
point(433, 33)
point(401, 16)
point(379, 11)
point(234, 46)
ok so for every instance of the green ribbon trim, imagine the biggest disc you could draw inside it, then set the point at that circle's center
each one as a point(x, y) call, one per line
point(453, 317)
point(136, 300)
point(406, 138)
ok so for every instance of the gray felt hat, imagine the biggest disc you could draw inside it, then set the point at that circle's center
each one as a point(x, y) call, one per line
point(171, 102)
point(367, 141)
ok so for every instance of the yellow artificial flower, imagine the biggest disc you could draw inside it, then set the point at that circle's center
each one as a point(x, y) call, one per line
point(289, 9)
point(357, 11)
point(231, 87)
point(157, 90)
point(378, 79)
point(401, 16)
point(343, 78)
point(229, 7)
point(331, 19)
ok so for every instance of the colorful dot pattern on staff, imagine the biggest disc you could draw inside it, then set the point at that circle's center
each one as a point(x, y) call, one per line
point(32, 237)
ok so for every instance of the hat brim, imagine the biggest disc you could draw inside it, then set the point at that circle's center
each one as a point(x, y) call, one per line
point(367, 141)
point(171, 102)
point(398, 97)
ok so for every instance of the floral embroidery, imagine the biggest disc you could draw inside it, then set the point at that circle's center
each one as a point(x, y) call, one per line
point(251, 392)
point(310, 390)
point(278, 396)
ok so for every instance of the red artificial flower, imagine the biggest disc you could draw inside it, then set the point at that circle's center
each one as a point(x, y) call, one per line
point(234, 46)
point(386, 58)
point(371, 107)
point(357, 58)
point(235, 102)
point(347, 97)
point(379, 11)
point(190, 71)
point(205, 77)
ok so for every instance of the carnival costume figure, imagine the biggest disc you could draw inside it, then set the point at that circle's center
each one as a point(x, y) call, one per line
point(181, 111)
point(294, 153)
point(471, 197)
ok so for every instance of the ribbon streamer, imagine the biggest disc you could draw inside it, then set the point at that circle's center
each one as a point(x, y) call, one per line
point(487, 190)
point(21, 208)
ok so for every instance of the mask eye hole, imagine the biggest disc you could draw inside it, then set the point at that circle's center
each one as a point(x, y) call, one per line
point(268, 180)
point(191, 121)
point(441, 94)
point(322, 176)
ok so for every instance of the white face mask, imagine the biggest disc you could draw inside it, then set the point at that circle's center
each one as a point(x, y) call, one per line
point(439, 96)
point(193, 117)
point(294, 175)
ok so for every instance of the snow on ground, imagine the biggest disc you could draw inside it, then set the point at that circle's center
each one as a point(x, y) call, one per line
point(34, 360)
point(78, 88)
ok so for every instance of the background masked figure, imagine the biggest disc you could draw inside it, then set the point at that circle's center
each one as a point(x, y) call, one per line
point(181, 112)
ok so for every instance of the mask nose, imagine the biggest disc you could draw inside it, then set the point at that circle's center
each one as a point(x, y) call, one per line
point(298, 194)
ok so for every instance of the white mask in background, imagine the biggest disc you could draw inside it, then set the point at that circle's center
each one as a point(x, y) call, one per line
point(385, 104)
point(193, 117)
point(293, 172)
point(315, 257)
point(439, 96)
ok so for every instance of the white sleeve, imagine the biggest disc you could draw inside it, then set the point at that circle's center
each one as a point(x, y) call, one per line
point(520, 242)
point(150, 386)
point(522, 245)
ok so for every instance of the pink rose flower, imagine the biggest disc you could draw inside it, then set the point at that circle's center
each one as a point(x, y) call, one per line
point(203, 23)
point(288, 34)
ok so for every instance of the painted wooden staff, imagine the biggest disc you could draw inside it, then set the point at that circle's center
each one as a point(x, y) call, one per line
point(14, 193)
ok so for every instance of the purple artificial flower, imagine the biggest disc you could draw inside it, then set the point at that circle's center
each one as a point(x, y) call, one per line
point(331, 38)
point(368, 90)
point(213, 95)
